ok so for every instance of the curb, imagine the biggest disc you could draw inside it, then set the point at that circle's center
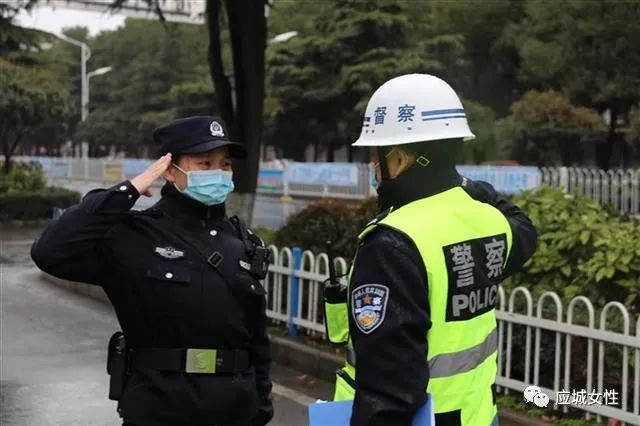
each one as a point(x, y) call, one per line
point(294, 355)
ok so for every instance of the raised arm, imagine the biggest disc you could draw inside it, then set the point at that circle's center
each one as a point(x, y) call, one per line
point(71, 247)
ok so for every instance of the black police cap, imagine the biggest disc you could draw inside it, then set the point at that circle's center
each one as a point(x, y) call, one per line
point(194, 135)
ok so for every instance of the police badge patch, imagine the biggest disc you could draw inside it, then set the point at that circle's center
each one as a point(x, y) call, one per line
point(369, 305)
point(216, 129)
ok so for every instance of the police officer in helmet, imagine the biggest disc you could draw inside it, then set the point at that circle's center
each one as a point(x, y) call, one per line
point(184, 280)
point(419, 312)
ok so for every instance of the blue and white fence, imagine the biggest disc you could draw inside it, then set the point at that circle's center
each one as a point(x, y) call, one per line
point(294, 286)
point(619, 188)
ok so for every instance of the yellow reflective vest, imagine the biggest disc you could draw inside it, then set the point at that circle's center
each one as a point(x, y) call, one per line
point(464, 244)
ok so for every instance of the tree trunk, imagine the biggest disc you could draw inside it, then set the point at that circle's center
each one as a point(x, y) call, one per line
point(330, 152)
point(9, 147)
point(216, 67)
point(6, 167)
point(248, 31)
point(604, 150)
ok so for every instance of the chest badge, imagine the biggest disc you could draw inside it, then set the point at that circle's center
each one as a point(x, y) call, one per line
point(169, 252)
point(369, 305)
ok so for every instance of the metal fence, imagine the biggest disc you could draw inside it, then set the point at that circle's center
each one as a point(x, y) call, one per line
point(532, 335)
point(618, 188)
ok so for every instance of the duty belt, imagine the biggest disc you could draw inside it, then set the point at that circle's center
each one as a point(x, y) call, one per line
point(189, 360)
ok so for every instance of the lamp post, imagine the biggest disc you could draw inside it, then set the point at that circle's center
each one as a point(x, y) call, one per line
point(85, 54)
point(85, 104)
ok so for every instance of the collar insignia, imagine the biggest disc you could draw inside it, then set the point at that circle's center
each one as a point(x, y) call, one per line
point(169, 252)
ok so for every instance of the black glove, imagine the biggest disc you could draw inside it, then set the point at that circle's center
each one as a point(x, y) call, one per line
point(480, 191)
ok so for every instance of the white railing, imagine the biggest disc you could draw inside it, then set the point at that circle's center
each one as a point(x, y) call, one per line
point(532, 334)
point(618, 188)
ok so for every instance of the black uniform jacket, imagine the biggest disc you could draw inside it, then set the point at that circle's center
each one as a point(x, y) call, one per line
point(392, 371)
point(165, 295)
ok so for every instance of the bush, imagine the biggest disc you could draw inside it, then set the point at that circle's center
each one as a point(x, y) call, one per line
point(325, 220)
point(584, 249)
point(22, 177)
point(35, 204)
point(546, 129)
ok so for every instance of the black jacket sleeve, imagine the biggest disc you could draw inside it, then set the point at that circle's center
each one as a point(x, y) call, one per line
point(392, 370)
point(525, 236)
point(261, 359)
point(70, 247)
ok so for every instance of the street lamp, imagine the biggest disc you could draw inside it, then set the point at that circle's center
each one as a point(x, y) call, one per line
point(99, 71)
point(85, 54)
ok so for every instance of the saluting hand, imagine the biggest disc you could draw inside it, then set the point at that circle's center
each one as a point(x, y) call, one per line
point(144, 180)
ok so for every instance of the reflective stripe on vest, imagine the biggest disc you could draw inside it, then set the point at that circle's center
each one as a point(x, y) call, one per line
point(445, 365)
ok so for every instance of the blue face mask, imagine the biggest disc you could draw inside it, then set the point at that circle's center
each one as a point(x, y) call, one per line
point(372, 176)
point(208, 186)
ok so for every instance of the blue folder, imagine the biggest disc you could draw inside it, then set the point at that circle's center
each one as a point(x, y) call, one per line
point(339, 414)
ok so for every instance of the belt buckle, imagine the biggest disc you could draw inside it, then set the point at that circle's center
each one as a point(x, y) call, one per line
point(201, 361)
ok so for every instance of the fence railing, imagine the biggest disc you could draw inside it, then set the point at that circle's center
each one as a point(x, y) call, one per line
point(532, 335)
point(619, 188)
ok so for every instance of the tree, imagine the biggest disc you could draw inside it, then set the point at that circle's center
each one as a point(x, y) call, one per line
point(16, 43)
point(546, 129)
point(588, 48)
point(29, 97)
point(486, 146)
point(486, 69)
point(320, 82)
point(168, 79)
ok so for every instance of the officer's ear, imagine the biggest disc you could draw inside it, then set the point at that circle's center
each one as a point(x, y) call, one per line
point(170, 174)
point(398, 161)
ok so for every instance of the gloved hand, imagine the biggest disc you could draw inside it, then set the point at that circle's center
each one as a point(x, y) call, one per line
point(334, 292)
point(480, 190)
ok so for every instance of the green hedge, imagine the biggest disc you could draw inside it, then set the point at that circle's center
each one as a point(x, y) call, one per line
point(584, 249)
point(22, 177)
point(324, 220)
point(35, 204)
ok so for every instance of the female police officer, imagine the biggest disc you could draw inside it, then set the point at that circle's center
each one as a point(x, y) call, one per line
point(184, 282)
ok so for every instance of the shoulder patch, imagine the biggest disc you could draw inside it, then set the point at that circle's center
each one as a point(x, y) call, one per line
point(369, 306)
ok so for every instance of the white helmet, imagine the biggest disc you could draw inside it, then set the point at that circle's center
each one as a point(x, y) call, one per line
point(413, 108)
